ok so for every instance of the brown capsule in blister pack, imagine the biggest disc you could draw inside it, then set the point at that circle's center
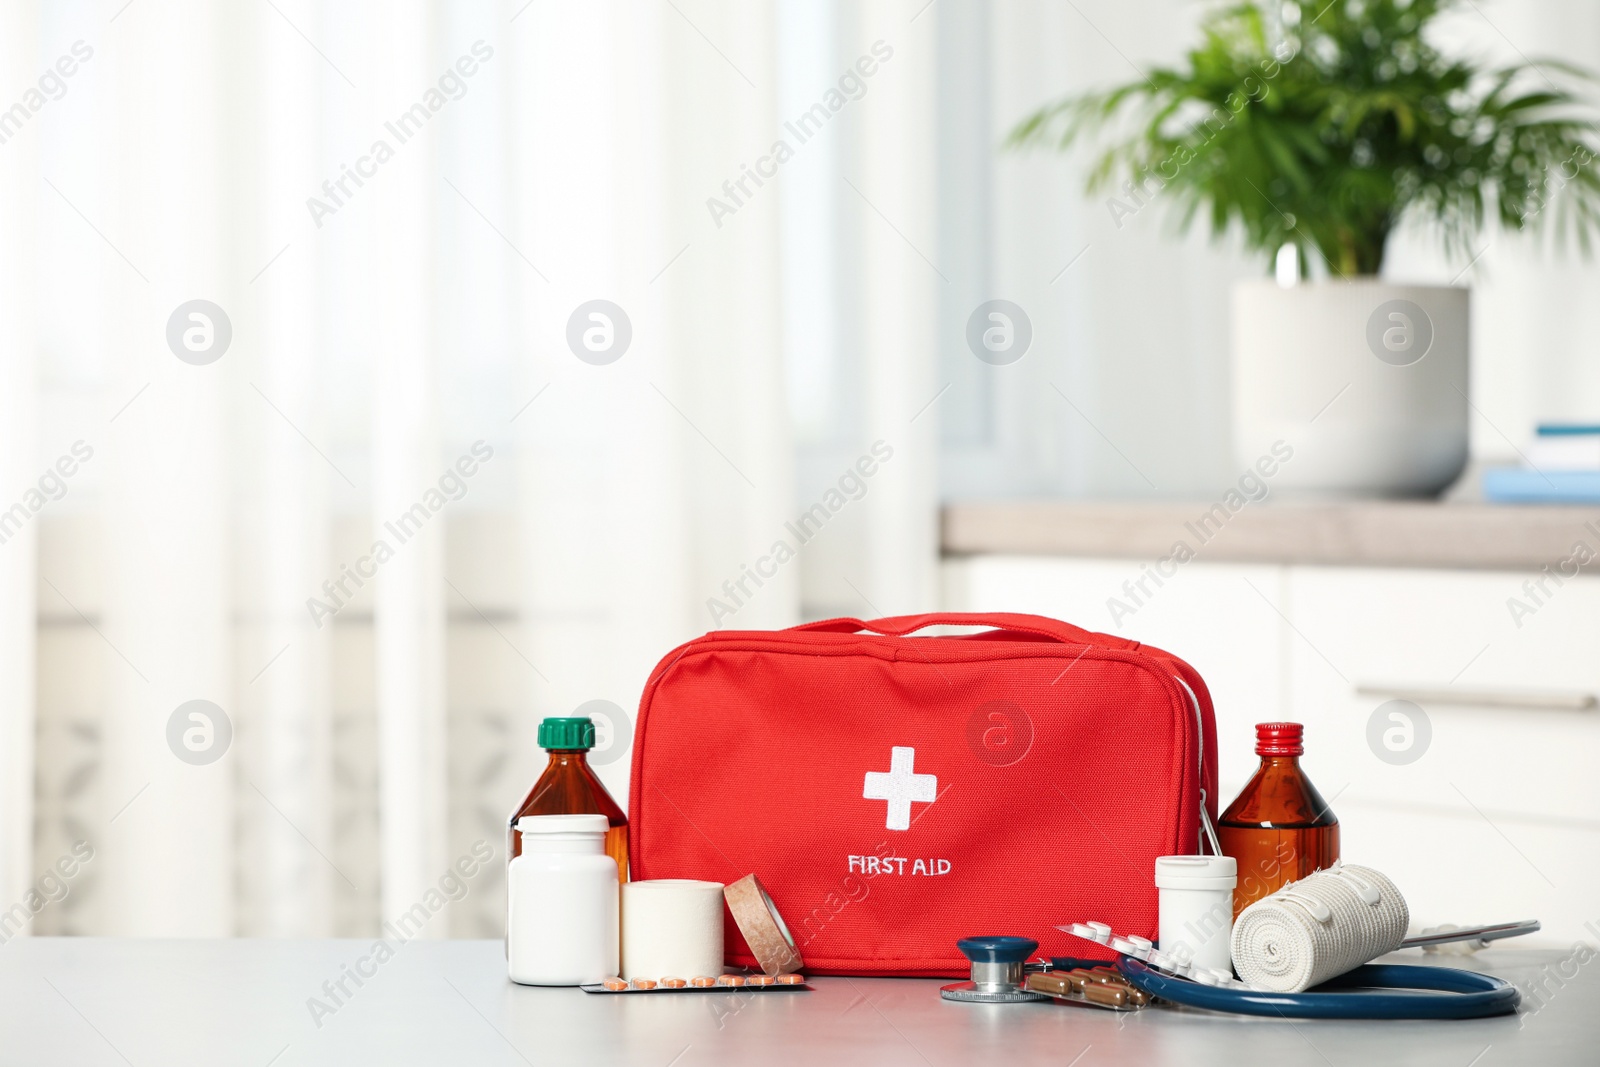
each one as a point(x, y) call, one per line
point(1110, 996)
point(1053, 983)
point(704, 981)
point(791, 979)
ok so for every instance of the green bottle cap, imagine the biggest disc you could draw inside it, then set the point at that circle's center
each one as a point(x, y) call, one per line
point(566, 733)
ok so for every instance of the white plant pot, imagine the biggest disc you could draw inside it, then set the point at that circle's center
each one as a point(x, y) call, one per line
point(1364, 381)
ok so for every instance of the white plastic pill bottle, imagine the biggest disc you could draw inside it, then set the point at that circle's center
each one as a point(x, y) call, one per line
point(561, 902)
point(1196, 901)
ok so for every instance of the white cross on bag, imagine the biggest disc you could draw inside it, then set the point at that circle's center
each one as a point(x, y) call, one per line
point(900, 787)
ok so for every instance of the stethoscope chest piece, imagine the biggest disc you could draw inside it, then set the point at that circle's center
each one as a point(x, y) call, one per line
point(996, 971)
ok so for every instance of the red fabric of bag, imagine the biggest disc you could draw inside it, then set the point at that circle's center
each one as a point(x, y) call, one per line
point(897, 792)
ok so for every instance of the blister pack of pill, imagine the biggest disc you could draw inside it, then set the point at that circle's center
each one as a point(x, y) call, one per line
point(1098, 987)
point(1143, 949)
point(722, 983)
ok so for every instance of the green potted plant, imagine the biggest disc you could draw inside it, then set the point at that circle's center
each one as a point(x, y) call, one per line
point(1314, 129)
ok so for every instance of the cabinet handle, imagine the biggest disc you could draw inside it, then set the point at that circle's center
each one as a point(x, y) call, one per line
point(1546, 700)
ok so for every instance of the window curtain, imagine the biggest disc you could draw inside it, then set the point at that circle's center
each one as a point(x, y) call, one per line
point(19, 189)
point(389, 320)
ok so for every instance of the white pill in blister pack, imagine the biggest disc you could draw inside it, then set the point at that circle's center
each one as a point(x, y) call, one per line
point(1142, 948)
point(1170, 964)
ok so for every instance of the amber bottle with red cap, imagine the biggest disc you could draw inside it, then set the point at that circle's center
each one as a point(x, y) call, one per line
point(1278, 829)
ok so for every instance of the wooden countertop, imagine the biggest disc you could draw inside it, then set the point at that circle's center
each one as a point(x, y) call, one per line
point(1355, 533)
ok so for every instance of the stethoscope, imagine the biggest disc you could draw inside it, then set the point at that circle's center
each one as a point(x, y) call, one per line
point(1429, 993)
point(1372, 991)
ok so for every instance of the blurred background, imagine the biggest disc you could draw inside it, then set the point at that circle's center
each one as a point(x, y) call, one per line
point(398, 217)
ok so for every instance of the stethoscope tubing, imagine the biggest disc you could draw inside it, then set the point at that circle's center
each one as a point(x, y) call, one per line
point(1419, 993)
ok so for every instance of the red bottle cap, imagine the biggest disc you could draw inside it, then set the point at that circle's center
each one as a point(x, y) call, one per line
point(1279, 739)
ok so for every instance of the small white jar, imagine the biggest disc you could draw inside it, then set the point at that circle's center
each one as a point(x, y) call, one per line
point(1196, 900)
point(561, 902)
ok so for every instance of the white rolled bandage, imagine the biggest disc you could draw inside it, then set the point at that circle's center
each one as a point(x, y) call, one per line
point(1318, 928)
point(671, 927)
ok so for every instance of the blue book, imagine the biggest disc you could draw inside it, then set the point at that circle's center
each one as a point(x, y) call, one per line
point(1518, 485)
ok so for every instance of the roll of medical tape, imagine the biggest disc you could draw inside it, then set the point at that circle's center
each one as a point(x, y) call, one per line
point(763, 928)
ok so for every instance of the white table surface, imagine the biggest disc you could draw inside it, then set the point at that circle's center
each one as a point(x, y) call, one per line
point(89, 1001)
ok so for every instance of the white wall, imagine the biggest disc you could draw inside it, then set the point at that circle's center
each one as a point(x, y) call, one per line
point(1136, 332)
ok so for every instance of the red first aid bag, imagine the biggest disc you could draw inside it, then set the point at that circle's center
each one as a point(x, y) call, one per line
point(896, 792)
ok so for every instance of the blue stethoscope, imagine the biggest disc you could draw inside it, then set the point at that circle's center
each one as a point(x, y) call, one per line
point(1372, 991)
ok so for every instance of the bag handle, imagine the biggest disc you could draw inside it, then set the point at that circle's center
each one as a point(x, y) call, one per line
point(903, 625)
point(1040, 626)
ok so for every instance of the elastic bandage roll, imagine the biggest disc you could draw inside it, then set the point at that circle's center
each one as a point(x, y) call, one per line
point(1318, 928)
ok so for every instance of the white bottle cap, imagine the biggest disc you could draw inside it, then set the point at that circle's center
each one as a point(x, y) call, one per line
point(1196, 872)
point(563, 824)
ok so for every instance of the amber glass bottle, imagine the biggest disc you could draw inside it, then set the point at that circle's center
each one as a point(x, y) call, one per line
point(1278, 828)
point(569, 786)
